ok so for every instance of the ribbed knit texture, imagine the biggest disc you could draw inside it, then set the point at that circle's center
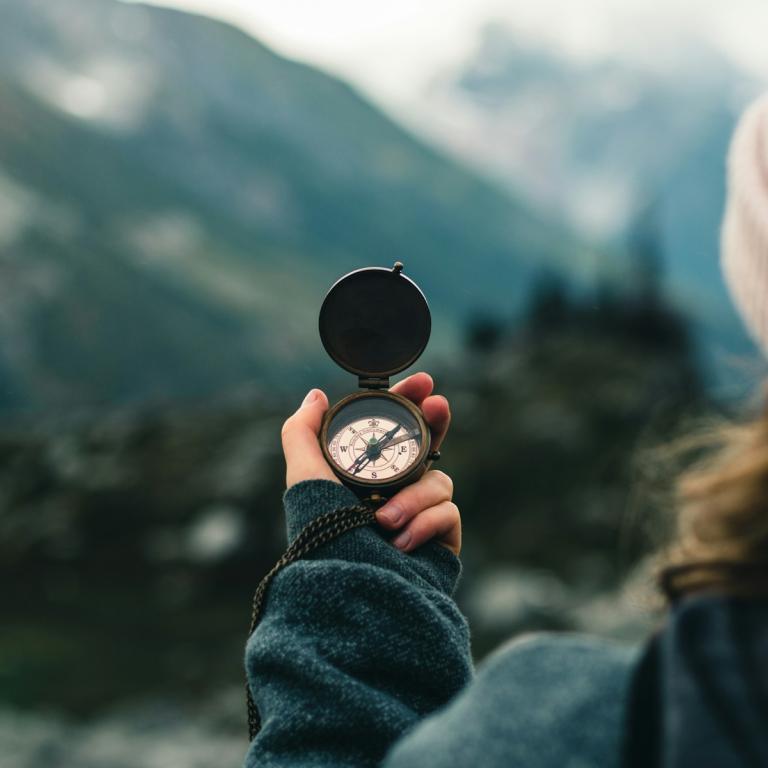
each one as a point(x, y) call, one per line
point(356, 644)
point(744, 245)
point(361, 648)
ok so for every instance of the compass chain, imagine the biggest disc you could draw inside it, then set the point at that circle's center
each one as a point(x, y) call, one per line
point(319, 531)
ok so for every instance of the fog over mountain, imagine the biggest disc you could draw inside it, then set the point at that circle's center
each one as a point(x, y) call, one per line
point(608, 144)
point(592, 138)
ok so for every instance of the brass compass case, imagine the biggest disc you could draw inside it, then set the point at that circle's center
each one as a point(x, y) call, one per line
point(375, 322)
point(381, 486)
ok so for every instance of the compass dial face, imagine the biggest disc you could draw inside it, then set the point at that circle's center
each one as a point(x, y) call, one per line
point(374, 439)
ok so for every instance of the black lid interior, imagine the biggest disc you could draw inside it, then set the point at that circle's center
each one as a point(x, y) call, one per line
point(375, 322)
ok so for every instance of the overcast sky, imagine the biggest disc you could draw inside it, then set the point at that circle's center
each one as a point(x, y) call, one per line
point(392, 48)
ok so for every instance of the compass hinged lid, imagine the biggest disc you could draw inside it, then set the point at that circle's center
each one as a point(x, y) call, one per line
point(375, 322)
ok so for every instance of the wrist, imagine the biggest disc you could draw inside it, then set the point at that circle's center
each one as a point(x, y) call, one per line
point(308, 499)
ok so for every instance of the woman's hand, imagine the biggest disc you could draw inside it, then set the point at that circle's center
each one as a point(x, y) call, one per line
point(423, 510)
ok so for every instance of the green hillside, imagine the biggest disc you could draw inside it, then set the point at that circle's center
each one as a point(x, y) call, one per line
point(178, 198)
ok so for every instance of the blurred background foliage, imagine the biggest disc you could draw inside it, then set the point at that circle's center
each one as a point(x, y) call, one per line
point(176, 198)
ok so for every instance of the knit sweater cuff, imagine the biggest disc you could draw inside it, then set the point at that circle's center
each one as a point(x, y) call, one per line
point(309, 499)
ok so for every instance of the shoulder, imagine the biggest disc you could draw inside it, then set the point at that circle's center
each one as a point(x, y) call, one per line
point(574, 669)
point(543, 700)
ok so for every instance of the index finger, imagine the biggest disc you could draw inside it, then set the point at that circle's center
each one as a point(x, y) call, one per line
point(437, 413)
point(416, 387)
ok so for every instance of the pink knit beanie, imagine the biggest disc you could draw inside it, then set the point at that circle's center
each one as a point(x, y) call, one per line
point(744, 245)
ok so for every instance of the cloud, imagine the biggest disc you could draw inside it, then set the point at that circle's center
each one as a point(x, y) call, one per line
point(392, 49)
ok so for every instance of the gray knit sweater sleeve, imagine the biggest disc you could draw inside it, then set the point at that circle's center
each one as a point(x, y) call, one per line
point(357, 643)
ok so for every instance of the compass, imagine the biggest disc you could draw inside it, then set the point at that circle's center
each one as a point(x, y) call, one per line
point(374, 323)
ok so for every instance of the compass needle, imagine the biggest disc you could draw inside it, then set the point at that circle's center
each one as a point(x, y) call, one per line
point(402, 439)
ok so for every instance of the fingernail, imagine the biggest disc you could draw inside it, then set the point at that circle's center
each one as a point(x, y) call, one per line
point(391, 514)
point(310, 398)
point(403, 540)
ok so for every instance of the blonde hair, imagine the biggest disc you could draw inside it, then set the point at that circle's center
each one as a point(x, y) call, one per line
point(721, 541)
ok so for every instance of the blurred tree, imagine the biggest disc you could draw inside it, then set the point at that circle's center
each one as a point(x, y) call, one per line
point(550, 305)
point(484, 333)
point(546, 431)
point(648, 318)
point(646, 258)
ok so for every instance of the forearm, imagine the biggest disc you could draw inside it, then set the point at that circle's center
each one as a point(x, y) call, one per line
point(355, 645)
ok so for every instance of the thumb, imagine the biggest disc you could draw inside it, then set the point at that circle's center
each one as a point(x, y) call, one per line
point(303, 458)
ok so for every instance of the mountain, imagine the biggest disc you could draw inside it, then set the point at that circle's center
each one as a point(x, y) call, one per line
point(592, 137)
point(177, 199)
point(605, 143)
